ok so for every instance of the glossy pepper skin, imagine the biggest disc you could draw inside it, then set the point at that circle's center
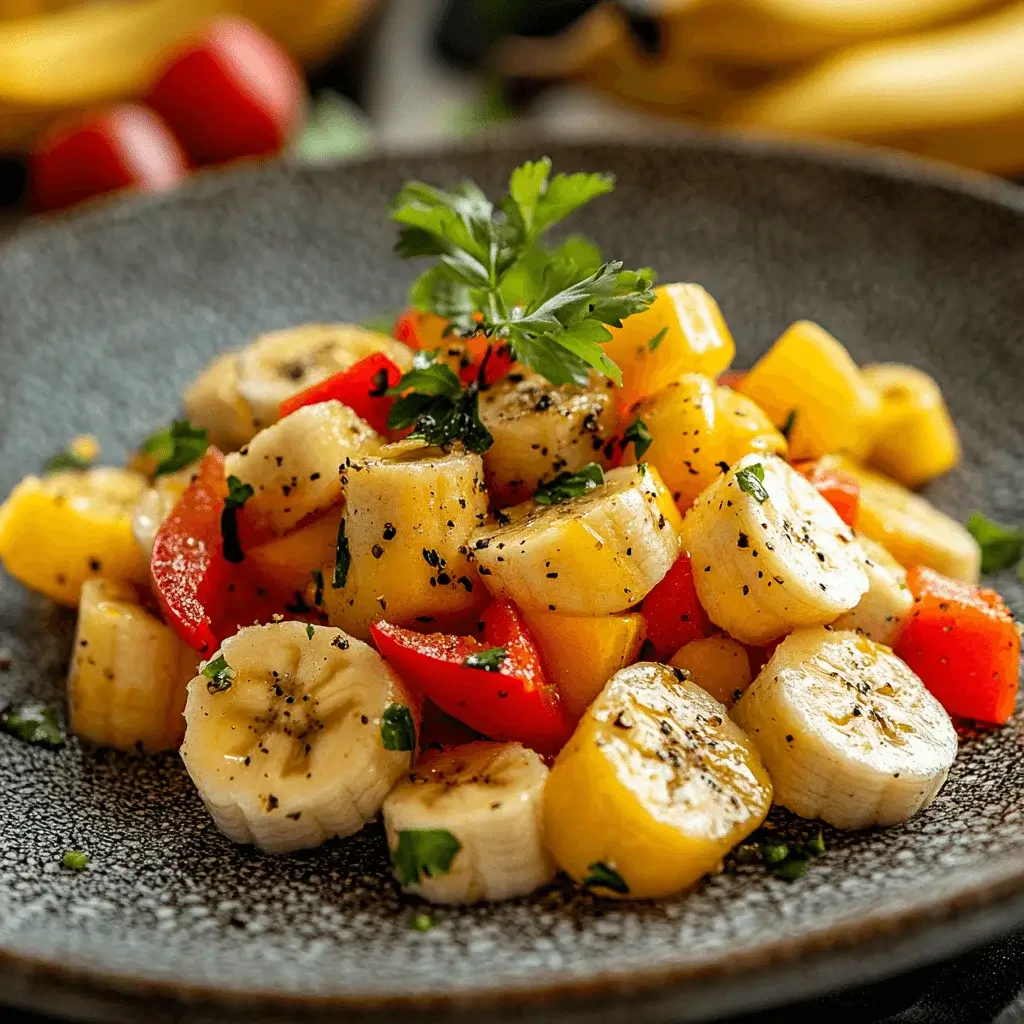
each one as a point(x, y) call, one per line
point(839, 488)
point(963, 643)
point(672, 612)
point(512, 702)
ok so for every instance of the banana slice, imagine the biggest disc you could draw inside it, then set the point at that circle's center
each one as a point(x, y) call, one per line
point(128, 673)
point(654, 788)
point(155, 506)
point(466, 824)
point(770, 554)
point(847, 732)
point(911, 529)
point(408, 519)
point(594, 555)
point(540, 430)
point(295, 466)
point(284, 736)
point(241, 393)
point(883, 609)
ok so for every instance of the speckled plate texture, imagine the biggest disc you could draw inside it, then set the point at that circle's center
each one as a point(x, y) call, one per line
point(103, 318)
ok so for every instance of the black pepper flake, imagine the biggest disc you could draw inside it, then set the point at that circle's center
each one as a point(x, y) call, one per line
point(743, 542)
point(377, 551)
point(389, 531)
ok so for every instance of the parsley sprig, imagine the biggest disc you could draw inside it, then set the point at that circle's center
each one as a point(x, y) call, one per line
point(1000, 545)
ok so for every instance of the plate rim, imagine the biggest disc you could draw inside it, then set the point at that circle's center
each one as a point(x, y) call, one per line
point(926, 916)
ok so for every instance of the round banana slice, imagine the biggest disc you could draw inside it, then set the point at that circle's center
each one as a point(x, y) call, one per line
point(593, 555)
point(884, 608)
point(466, 824)
point(540, 430)
point(654, 788)
point(212, 401)
point(291, 735)
point(295, 466)
point(846, 730)
point(770, 554)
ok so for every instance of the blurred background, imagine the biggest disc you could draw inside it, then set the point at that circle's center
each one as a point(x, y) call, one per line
point(101, 95)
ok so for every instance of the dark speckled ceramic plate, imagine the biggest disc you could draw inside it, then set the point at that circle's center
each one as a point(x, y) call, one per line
point(103, 318)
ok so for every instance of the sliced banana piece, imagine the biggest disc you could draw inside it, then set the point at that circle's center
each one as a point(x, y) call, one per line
point(409, 514)
point(770, 554)
point(846, 730)
point(540, 430)
point(654, 788)
point(481, 802)
point(128, 673)
point(240, 393)
point(284, 736)
point(295, 466)
point(155, 506)
point(884, 608)
point(594, 555)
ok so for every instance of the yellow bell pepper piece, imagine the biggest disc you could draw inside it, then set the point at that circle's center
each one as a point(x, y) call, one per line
point(809, 375)
point(59, 531)
point(580, 653)
point(717, 664)
point(696, 427)
point(683, 331)
point(290, 560)
point(654, 788)
point(915, 439)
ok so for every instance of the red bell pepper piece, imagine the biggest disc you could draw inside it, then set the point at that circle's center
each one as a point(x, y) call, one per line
point(188, 566)
point(672, 611)
point(362, 387)
point(494, 366)
point(425, 331)
point(963, 643)
point(837, 487)
point(508, 700)
point(732, 378)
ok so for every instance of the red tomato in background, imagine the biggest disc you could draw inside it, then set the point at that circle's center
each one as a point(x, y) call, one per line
point(231, 92)
point(122, 146)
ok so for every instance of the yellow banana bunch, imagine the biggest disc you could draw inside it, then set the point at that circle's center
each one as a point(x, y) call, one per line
point(940, 78)
point(56, 58)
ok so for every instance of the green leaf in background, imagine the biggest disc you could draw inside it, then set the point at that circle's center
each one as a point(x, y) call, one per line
point(335, 129)
point(1000, 545)
point(32, 723)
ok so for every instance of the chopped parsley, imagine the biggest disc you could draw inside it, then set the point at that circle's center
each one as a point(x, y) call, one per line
point(397, 728)
point(424, 853)
point(784, 853)
point(218, 674)
point(342, 559)
point(652, 345)
point(638, 433)
point(567, 486)
point(422, 921)
point(310, 631)
point(1000, 545)
point(32, 723)
point(490, 659)
point(787, 427)
point(66, 461)
point(238, 495)
point(75, 860)
point(318, 584)
point(176, 447)
point(603, 876)
point(751, 480)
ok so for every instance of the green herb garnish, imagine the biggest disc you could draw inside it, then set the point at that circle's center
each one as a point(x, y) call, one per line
point(603, 876)
point(66, 462)
point(490, 659)
point(424, 853)
point(238, 495)
point(787, 427)
point(652, 345)
point(1001, 546)
point(75, 860)
point(422, 921)
point(176, 447)
point(342, 559)
point(397, 728)
point(783, 855)
point(318, 584)
point(638, 433)
point(567, 486)
point(310, 631)
point(218, 674)
point(751, 480)
point(32, 723)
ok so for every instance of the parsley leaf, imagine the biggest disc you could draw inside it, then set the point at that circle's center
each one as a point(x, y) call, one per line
point(784, 856)
point(238, 495)
point(490, 659)
point(75, 860)
point(652, 345)
point(422, 921)
point(603, 876)
point(638, 433)
point(66, 462)
point(424, 853)
point(567, 486)
point(218, 674)
point(342, 559)
point(32, 723)
point(176, 447)
point(310, 631)
point(397, 728)
point(751, 480)
point(1001, 546)
point(438, 409)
